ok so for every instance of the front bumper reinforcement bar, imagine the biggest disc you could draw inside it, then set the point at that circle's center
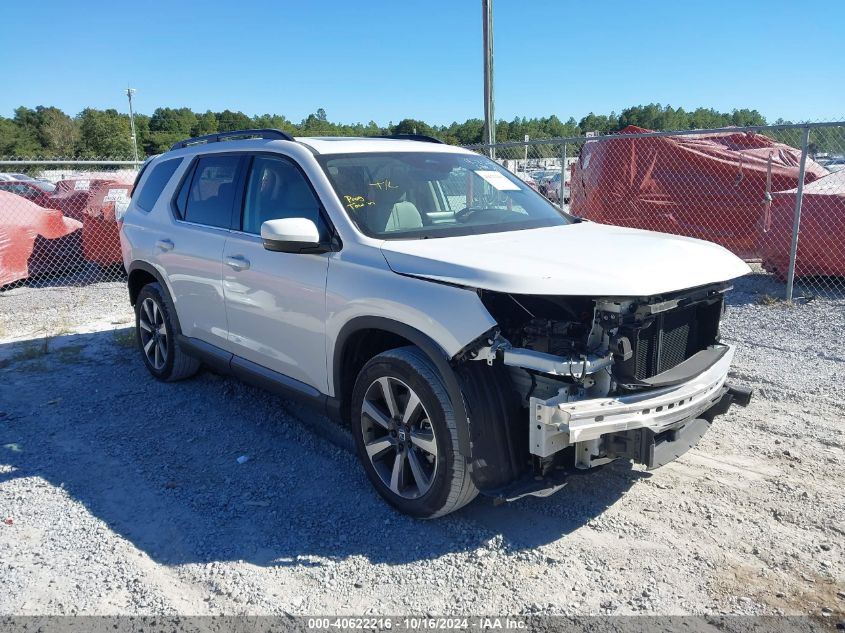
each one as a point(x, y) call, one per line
point(557, 423)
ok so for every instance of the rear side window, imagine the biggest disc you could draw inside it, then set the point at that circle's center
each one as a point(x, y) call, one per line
point(212, 191)
point(276, 189)
point(155, 183)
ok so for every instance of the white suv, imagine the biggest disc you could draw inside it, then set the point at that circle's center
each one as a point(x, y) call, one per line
point(473, 335)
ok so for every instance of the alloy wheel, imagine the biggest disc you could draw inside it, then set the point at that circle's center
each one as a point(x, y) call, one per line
point(399, 437)
point(153, 333)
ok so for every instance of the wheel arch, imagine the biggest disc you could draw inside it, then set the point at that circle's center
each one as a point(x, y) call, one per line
point(346, 359)
point(140, 274)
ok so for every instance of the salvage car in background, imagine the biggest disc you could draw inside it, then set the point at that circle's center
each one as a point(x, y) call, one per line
point(35, 241)
point(553, 191)
point(708, 186)
point(100, 236)
point(73, 194)
point(822, 230)
point(35, 191)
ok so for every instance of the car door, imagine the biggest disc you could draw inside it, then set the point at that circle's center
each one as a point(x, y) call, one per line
point(276, 302)
point(191, 250)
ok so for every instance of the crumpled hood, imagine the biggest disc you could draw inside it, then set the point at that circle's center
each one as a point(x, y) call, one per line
point(577, 259)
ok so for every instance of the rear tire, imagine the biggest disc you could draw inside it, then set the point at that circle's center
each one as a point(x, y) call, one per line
point(406, 437)
point(156, 333)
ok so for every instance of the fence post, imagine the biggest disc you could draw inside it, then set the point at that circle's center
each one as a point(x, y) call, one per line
point(562, 174)
point(796, 222)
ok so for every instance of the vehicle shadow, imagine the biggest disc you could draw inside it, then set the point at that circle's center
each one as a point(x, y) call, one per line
point(159, 464)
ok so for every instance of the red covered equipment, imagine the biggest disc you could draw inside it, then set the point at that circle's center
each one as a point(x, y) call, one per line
point(709, 186)
point(72, 195)
point(822, 231)
point(34, 240)
point(100, 236)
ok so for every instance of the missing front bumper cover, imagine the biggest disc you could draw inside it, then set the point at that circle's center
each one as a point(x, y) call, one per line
point(557, 423)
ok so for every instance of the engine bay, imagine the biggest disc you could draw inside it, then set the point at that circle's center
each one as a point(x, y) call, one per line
point(596, 347)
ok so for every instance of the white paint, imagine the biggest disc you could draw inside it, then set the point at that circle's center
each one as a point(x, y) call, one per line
point(579, 259)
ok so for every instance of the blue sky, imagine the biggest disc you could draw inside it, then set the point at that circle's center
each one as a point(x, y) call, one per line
point(388, 60)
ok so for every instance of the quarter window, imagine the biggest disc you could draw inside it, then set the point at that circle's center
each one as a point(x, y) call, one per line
point(212, 191)
point(277, 189)
point(155, 183)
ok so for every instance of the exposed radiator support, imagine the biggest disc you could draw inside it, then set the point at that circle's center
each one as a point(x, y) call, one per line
point(572, 366)
point(569, 366)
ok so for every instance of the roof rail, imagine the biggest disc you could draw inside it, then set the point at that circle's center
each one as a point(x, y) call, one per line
point(267, 133)
point(413, 137)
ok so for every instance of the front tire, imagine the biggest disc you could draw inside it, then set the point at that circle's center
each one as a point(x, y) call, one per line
point(406, 435)
point(156, 333)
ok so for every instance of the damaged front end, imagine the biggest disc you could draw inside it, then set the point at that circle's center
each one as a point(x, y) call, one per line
point(605, 378)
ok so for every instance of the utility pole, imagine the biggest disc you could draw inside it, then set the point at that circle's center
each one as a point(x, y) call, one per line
point(129, 93)
point(489, 118)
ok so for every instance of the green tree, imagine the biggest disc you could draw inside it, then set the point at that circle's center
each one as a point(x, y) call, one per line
point(702, 118)
point(228, 121)
point(104, 134)
point(274, 121)
point(25, 137)
point(206, 124)
point(412, 126)
point(47, 131)
point(601, 123)
point(142, 131)
point(59, 134)
point(15, 142)
point(745, 116)
point(466, 133)
point(168, 125)
point(178, 120)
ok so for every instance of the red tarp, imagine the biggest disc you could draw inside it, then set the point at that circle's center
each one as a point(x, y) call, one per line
point(21, 223)
point(822, 234)
point(709, 186)
point(73, 195)
point(100, 236)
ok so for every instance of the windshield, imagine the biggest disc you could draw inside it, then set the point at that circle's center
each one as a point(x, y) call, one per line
point(413, 195)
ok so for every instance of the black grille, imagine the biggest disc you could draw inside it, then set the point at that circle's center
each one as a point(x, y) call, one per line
point(677, 331)
point(667, 341)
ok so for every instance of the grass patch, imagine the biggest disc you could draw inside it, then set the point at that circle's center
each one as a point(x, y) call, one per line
point(125, 337)
point(69, 353)
point(32, 349)
point(63, 328)
point(767, 300)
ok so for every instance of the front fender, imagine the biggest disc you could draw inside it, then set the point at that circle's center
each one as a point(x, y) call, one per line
point(450, 316)
point(439, 319)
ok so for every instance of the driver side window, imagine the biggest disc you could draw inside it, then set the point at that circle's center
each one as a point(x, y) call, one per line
point(277, 189)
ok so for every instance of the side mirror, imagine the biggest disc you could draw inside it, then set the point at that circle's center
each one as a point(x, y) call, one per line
point(292, 235)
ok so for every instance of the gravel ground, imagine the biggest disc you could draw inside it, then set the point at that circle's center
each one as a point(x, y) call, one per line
point(122, 495)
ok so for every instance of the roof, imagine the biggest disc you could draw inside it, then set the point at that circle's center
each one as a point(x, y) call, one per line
point(361, 144)
point(246, 139)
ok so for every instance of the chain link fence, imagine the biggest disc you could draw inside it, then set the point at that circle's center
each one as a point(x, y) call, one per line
point(57, 221)
point(774, 195)
point(771, 194)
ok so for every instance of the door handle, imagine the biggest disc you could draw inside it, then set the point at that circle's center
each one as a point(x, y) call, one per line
point(237, 262)
point(164, 245)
